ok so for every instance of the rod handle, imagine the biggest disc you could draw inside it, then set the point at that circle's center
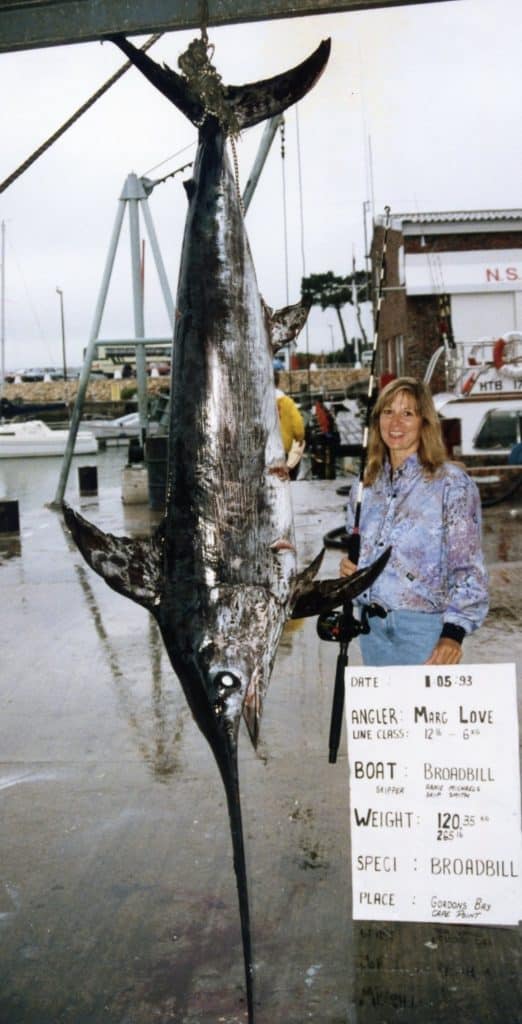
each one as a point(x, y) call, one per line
point(336, 721)
point(353, 548)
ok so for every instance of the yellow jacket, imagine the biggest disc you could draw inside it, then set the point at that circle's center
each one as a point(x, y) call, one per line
point(290, 421)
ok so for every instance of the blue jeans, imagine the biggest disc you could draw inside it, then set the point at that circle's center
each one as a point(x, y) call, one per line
point(402, 638)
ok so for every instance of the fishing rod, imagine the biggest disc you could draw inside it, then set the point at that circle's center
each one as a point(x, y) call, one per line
point(355, 538)
point(342, 627)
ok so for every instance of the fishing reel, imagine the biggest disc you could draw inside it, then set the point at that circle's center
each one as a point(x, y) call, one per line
point(340, 626)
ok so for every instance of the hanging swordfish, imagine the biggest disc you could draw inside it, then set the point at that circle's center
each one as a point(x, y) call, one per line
point(220, 573)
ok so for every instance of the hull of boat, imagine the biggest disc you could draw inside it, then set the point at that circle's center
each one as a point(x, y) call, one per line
point(119, 430)
point(26, 451)
point(496, 483)
point(35, 439)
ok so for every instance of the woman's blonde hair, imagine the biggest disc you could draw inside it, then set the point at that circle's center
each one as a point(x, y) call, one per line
point(431, 452)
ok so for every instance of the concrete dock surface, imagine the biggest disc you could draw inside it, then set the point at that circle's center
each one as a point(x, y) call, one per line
point(117, 891)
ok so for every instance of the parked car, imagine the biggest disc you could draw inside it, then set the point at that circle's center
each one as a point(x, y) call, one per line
point(40, 373)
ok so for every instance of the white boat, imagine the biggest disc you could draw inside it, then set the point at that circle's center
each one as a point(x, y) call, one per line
point(484, 397)
point(120, 429)
point(34, 438)
point(481, 412)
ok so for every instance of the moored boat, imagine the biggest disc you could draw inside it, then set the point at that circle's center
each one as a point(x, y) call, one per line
point(47, 411)
point(481, 412)
point(33, 438)
point(120, 429)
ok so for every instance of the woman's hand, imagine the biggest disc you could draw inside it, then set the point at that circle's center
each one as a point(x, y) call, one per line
point(347, 568)
point(445, 652)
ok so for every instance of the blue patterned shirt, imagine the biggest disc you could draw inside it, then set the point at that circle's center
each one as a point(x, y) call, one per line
point(434, 527)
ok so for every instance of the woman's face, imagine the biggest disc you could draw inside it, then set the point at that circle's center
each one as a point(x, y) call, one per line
point(400, 426)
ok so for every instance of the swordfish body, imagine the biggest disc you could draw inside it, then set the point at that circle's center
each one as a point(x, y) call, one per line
point(220, 574)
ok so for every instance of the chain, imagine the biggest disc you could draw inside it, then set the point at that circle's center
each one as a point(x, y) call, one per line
point(236, 173)
point(282, 133)
point(204, 20)
point(203, 78)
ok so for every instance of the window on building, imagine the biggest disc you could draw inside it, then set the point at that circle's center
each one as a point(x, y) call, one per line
point(399, 355)
point(393, 361)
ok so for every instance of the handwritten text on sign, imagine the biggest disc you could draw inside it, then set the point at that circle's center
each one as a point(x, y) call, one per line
point(435, 793)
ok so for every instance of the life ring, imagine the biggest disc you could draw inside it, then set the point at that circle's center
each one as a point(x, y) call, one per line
point(499, 349)
point(477, 354)
point(468, 383)
point(512, 371)
point(507, 355)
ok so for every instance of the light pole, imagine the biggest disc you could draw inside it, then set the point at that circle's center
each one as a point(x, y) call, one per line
point(332, 339)
point(60, 293)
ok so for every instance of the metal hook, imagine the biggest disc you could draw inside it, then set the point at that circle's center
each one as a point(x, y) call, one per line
point(204, 21)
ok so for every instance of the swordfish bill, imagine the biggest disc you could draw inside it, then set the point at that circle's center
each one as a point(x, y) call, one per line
point(220, 573)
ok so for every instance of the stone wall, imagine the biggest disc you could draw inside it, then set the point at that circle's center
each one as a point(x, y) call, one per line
point(327, 379)
point(66, 391)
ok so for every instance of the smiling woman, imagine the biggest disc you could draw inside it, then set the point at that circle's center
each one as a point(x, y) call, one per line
point(400, 425)
point(433, 590)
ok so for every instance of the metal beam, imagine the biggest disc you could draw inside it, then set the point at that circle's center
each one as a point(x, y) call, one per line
point(264, 148)
point(26, 24)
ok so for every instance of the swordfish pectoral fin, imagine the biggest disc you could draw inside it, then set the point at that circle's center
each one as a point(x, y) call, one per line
point(322, 596)
point(305, 578)
point(131, 567)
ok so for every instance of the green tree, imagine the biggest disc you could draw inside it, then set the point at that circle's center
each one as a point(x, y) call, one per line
point(329, 290)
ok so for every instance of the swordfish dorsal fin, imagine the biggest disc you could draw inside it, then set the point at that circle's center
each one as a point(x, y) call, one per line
point(249, 104)
point(285, 324)
point(315, 597)
point(131, 567)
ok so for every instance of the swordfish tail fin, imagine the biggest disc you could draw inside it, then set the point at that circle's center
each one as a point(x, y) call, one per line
point(172, 85)
point(131, 567)
point(260, 100)
point(249, 104)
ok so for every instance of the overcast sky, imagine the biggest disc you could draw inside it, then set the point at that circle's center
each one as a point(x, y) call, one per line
point(435, 88)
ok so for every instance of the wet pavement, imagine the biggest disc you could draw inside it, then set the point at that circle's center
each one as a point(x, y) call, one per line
point(117, 892)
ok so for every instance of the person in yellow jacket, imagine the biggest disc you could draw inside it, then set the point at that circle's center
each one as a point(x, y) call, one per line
point(292, 428)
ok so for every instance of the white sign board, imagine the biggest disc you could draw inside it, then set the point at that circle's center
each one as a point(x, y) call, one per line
point(434, 793)
point(497, 270)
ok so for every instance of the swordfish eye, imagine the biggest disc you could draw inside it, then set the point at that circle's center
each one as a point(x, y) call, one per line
point(226, 682)
point(227, 695)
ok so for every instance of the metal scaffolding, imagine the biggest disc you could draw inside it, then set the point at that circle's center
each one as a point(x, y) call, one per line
point(134, 198)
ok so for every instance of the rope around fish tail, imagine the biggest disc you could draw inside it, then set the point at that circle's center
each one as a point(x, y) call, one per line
point(347, 625)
